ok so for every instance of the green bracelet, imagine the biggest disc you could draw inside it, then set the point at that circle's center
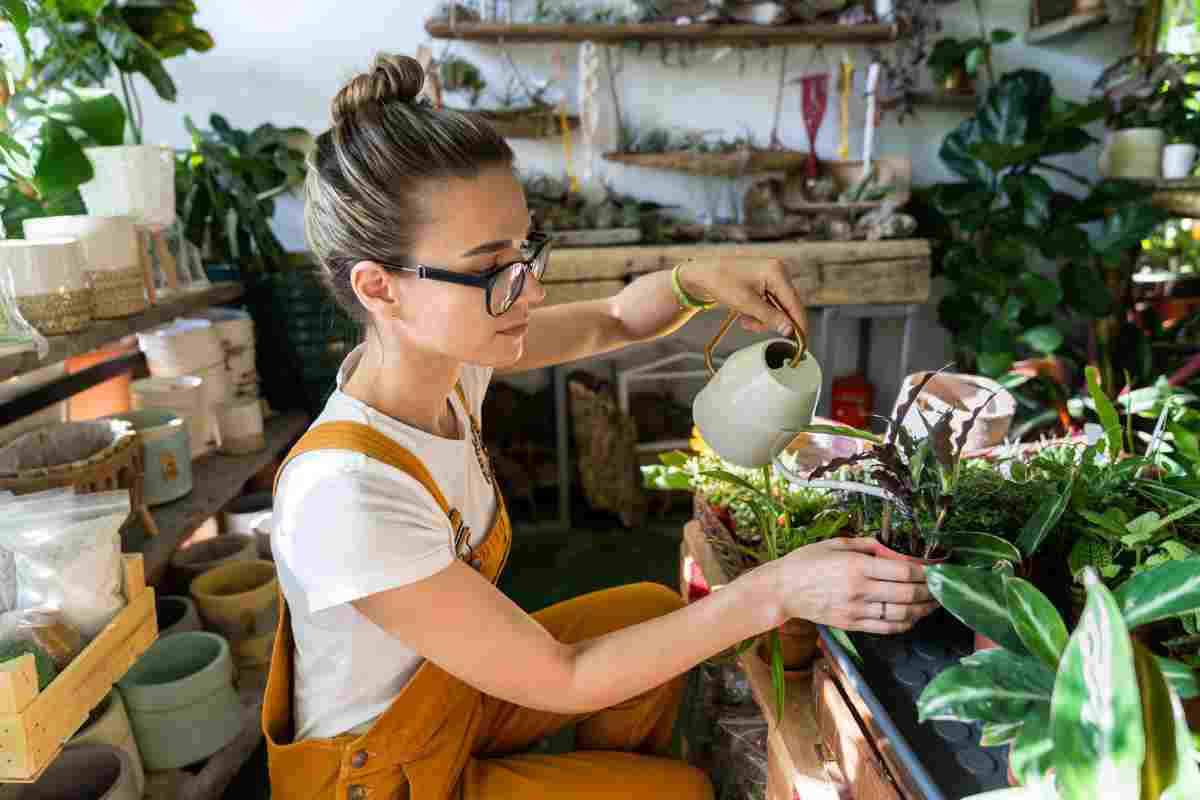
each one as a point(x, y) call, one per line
point(685, 300)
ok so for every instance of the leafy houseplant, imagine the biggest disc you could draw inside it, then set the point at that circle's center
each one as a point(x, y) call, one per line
point(1096, 707)
point(955, 63)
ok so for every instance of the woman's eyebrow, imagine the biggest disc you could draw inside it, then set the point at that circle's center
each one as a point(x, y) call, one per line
point(489, 247)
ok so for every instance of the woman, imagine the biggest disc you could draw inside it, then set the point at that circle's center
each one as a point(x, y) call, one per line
point(399, 669)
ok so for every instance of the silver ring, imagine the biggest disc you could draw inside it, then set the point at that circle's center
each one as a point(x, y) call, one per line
point(883, 610)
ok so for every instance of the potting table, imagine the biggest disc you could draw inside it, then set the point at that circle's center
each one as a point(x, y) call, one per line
point(865, 730)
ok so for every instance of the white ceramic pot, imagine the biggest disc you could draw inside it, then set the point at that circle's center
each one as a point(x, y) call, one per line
point(1133, 153)
point(746, 410)
point(247, 511)
point(182, 395)
point(111, 726)
point(109, 243)
point(132, 180)
point(44, 266)
point(241, 426)
point(1178, 160)
point(885, 10)
point(181, 347)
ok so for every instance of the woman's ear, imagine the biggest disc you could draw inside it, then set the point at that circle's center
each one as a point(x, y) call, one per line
point(373, 286)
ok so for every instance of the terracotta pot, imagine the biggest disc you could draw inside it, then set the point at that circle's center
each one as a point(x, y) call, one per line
point(1012, 778)
point(984, 643)
point(883, 551)
point(798, 641)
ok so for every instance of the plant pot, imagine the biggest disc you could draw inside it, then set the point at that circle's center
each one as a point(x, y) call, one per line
point(109, 725)
point(1178, 160)
point(240, 601)
point(191, 562)
point(166, 453)
point(984, 643)
point(246, 511)
point(262, 535)
point(181, 700)
point(958, 82)
point(176, 614)
point(1133, 153)
point(132, 180)
point(883, 551)
point(798, 643)
point(86, 772)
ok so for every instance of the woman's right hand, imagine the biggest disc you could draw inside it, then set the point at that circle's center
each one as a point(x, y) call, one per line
point(840, 583)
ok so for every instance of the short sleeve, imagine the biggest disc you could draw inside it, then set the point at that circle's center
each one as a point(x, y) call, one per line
point(348, 528)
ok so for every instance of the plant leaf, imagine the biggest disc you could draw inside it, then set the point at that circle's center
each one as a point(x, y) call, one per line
point(1043, 338)
point(913, 394)
point(1187, 778)
point(982, 549)
point(1161, 763)
point(1032, 753)
point(1168, 590)
point(995, 734)
point(1043, 520)
point(61, 166)
point(978, 599)
point(1096, 718)
point(1181, 677)
point(1109, 420)
point(840, 430)
point(989, 686)
point(1036, 621)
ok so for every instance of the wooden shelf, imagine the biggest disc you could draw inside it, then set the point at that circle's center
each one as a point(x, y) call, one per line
point(106, 332)
point(217, 480)
point(705, 33)
point(1066, 26)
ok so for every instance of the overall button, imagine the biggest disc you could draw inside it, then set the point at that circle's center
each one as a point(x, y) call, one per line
point(359, 759)
point(356, 792)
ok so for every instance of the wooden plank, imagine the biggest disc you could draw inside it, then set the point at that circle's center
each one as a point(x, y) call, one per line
point(1075, 23)
point(217, 480)
point(815, 33)
point(599, 237)
point(31, 735)
point(106, 332)
point(575, 291)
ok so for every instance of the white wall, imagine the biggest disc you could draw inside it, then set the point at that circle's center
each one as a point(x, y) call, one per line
point(283, 61)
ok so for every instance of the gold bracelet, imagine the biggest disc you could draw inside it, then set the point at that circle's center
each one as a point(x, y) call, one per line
point(685, 300)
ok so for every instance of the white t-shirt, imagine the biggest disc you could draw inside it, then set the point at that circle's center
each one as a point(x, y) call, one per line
point(347, 527)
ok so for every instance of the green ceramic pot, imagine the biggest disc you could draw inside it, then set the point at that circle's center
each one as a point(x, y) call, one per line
point(166, 453)
point(181, 700)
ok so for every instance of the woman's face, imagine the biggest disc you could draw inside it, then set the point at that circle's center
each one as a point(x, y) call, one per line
point(474, 225)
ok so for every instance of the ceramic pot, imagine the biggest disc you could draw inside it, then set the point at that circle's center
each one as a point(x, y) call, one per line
point(166, 454)
point(111, 259)
point(190, 562)
point(1133, 153)
point(181, 700)
point(86, 772)
point(1178, 160)
point(48, 280)
point(110, 725)
point(262, 535)
point(246, 511)
point(958, 82)
point(132, 180)
point(798, 643)
point(762, 395)
point(959, 395)
point(241, 426)
point(240, 601)
point(176, 614)
point(183, 396)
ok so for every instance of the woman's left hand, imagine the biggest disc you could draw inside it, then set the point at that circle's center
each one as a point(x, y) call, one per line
point(741, 284)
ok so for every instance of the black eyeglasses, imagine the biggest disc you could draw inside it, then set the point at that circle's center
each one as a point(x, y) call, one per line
point(503, 284)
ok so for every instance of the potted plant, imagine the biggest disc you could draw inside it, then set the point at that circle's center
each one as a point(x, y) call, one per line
point(955, 63)
point(1095, 707)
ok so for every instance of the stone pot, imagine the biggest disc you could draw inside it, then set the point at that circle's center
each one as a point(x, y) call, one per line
point(85, 772)
point(109, 725)
point(193, 561)
point(181, 700)
point(1178, 160)
point(245, 512)
point(176, 614)
point(240, 601)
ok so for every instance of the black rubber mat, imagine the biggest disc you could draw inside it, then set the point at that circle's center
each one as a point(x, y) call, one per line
point(944, 758)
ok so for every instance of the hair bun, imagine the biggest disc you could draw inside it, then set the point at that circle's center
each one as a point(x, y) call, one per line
point(391, 79)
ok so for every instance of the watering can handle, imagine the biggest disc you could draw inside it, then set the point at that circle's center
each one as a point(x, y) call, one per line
point(797, 331)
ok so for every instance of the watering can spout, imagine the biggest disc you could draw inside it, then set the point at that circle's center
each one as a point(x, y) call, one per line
point(760, 393)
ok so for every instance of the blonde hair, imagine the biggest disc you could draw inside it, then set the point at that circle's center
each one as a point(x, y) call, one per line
point(366, 173)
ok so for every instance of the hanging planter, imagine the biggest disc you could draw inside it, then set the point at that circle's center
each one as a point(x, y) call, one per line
point(181, 700)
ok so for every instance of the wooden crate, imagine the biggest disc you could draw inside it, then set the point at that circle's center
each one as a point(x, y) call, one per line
point(35, 725)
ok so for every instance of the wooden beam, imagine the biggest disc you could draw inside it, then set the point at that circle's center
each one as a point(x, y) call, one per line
point(708, 33)
point(1075, 23)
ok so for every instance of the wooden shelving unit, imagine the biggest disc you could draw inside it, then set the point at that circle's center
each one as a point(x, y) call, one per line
point(106, 332)
point(1075, 23)
point(217, 480)
point(704, 33)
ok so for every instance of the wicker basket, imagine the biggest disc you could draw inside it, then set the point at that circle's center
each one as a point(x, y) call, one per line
point(98, 456)
point(731, 164)
point(525, 123)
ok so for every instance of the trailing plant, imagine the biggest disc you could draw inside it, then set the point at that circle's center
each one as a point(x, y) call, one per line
point(226, 186)
point(1003, 226)
point(901, 64)
point(1095, 706)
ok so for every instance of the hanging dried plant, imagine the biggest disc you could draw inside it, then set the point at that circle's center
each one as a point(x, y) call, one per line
point(902, 64)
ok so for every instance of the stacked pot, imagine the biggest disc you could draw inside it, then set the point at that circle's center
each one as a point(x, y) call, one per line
point(240, 419)
point(240, 600)
point(192, 348)
point(48, 281)
point(111, 267)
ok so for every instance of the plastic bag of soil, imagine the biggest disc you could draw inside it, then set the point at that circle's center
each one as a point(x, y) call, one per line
point(741, 759)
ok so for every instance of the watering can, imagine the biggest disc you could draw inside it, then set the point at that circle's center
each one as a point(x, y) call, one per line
point(760, 398)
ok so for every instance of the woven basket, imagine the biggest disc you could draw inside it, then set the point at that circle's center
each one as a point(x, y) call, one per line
point(732, 164)
point(99, 456)
point(525, 123)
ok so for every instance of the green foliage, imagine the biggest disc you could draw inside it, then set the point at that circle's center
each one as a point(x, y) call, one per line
point(226, 185)
point(950, 54)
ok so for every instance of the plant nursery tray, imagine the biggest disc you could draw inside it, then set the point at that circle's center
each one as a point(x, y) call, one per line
point(34, 725)
point(939, 760)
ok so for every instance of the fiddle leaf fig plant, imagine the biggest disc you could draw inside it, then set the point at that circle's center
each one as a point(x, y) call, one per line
point(1096, 707)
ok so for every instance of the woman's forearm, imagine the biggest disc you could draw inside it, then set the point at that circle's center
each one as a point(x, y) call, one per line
point(647, 308)
point(627, 662)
